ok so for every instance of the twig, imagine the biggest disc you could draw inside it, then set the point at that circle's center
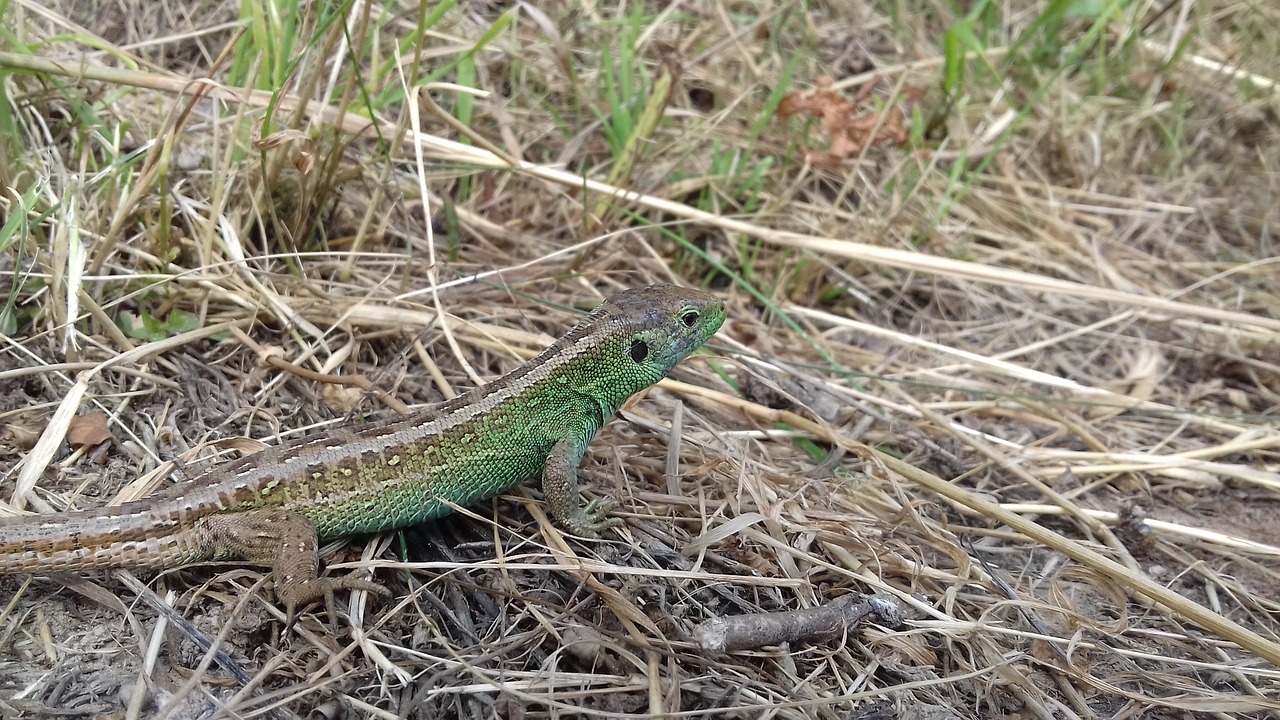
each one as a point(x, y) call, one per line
point(825, 622)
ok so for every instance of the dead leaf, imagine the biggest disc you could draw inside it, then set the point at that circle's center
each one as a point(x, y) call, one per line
point(304, 147)
point(342, 398)
point(850, 132)
point(21, 434)
point(87, 431)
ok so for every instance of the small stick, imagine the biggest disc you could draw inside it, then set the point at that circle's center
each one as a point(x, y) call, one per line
point(745, 632)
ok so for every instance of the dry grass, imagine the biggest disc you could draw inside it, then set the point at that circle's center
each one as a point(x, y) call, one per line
point(1016, 367)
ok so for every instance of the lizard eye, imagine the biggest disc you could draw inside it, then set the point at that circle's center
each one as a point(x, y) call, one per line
point(690, 318)
point(638, 350)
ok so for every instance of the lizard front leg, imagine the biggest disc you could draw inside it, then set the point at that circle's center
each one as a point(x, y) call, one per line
point(287, 542)
point(560, 486)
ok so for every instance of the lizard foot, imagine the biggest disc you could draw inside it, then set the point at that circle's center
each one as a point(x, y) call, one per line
point(593, 519)
point(299, 594)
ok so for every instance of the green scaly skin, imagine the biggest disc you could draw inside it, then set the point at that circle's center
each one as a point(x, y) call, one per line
point(275, 506)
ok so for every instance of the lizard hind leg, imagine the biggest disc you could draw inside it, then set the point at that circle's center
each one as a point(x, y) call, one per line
point(287, 542)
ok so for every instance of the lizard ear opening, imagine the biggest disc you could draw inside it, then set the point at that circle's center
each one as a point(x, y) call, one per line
point(638, 350)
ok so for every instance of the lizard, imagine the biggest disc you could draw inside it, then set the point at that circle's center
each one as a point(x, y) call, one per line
point(276, 506)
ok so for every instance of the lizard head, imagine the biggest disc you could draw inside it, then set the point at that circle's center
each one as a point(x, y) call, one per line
point(638, 336)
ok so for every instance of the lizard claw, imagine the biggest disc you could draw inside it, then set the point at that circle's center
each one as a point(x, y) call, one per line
point(299, 594)
point(593, 519)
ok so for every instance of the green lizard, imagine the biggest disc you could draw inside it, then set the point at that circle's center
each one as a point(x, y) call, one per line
point(275, 507)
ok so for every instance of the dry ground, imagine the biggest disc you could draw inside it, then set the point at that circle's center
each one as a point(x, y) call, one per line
point(1003, 346)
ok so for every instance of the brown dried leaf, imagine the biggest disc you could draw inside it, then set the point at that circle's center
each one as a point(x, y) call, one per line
point(304, 147)
point(283, 137)
point(825, 104)
point(88, 431)
point(752, 558)
point(342, 398)
point(849, 133)
point(22, 434)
